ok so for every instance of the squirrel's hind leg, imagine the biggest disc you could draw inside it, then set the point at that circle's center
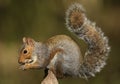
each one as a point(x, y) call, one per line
point(56, 64)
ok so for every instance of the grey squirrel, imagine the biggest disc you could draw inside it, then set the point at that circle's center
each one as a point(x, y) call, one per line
point(61, 54)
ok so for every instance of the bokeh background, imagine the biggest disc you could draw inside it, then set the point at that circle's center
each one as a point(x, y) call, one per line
point(41, 19)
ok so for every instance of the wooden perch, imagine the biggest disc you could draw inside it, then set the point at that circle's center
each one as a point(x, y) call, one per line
point(50, 78)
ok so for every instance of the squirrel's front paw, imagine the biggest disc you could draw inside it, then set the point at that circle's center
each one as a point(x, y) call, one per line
point(24, 67)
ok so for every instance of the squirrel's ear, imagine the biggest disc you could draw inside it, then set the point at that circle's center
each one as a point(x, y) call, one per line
point(28, 41)
point(24, 39)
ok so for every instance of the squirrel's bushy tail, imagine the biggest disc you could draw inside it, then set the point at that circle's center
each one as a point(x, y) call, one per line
point(98, 48)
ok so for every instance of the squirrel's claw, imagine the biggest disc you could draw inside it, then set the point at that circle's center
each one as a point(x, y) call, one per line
point(22, 67)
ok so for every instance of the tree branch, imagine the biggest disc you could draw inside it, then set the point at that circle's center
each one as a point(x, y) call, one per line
point(50, 78)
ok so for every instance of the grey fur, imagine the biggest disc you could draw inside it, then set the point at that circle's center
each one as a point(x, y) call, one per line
point(98, 48)
point(41, 52)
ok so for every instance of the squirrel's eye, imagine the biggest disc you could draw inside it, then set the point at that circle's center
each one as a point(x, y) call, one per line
point(25, 51)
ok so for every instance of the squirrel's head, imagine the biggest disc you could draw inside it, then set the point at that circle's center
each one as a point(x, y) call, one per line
point(26, 51)
point(32, 52)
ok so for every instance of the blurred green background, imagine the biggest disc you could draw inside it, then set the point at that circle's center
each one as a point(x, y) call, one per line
point(41, 19)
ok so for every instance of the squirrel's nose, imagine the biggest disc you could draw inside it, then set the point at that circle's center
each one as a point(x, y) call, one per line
point(21, 62)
